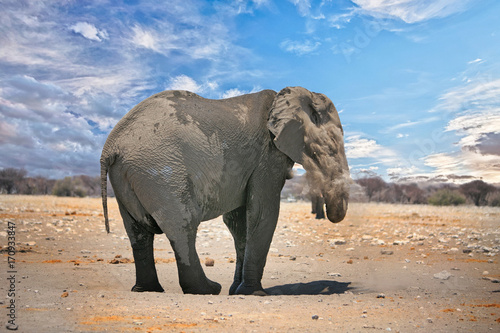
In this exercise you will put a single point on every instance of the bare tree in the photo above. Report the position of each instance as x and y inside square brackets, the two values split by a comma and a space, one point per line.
[373, 186]
[10, 179]
[477, 191]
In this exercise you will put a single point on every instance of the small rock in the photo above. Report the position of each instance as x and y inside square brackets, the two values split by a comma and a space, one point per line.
[334, 274]
[444, 275]
[486, 273]
[337, 241]
[429, 320]
[315, 317]
[65, 294]
[387, 252]
[380, 296]
[293, 258]
[466, 250]
[209, 262]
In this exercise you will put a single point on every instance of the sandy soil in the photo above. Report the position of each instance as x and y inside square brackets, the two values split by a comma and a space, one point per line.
[384, 268]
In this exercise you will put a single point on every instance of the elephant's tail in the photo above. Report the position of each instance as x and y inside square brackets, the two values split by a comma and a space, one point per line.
[104, 191]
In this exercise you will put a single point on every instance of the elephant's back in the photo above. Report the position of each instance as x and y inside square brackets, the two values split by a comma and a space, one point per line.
[173, 126]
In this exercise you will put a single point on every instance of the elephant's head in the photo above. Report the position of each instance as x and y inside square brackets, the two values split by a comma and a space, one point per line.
[307, 129]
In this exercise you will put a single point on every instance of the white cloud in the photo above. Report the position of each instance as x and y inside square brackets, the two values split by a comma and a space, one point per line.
[89, 31]
[184, 82]
[410, 11]
[473, 127]
[486, 167]
[144, 38]
[233, 93]
[303, 6]
[476, 61]
[482, 91]
[299, 48]
[473, 110]
[357, 147]
[412, 123]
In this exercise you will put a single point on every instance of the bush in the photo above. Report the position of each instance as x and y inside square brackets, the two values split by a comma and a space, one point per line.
[446, 197]
[69, 187]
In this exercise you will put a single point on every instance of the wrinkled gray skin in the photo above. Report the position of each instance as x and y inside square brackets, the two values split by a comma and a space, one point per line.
[177, 159]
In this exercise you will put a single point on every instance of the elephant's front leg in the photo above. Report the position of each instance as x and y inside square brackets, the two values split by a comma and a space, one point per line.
[237, 224]
[262, 217]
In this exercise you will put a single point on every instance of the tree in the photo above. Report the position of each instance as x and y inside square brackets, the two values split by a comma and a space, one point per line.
[10, 179]
[477, 191]
[412, 194]
[372, 185]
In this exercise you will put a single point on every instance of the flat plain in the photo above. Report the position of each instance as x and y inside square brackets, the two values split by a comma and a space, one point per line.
[397, 268]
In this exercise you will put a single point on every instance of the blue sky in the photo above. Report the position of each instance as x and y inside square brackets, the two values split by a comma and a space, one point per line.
[416, 82]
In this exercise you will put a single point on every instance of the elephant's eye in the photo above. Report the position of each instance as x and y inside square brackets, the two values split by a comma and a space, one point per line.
[315, 118]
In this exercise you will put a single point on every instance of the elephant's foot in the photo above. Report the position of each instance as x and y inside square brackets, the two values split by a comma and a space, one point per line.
[151, 288]
[250, 290]
[234, 287]
[208, 288]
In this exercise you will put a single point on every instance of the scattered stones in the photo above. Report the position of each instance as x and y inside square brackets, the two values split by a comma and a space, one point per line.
[444, 275]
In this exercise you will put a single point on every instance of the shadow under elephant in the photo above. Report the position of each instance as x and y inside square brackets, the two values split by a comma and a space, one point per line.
[322, 287]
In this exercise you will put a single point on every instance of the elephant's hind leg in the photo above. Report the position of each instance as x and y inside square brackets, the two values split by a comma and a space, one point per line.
[142, 247]
[192, 278]
[237, 224]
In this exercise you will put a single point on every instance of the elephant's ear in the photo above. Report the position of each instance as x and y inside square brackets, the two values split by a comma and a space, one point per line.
[285, 122]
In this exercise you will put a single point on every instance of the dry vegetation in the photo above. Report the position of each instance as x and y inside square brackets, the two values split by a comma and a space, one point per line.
[386, 267]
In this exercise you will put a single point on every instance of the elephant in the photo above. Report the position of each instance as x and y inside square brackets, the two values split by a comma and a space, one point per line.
[177, 159]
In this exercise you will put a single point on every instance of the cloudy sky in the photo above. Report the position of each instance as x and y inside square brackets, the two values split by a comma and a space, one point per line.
[416, 82]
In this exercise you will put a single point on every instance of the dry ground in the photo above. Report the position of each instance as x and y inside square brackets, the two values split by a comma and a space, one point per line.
[384, 268]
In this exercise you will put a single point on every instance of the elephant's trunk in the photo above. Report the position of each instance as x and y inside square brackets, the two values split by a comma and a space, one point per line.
[336, 209]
